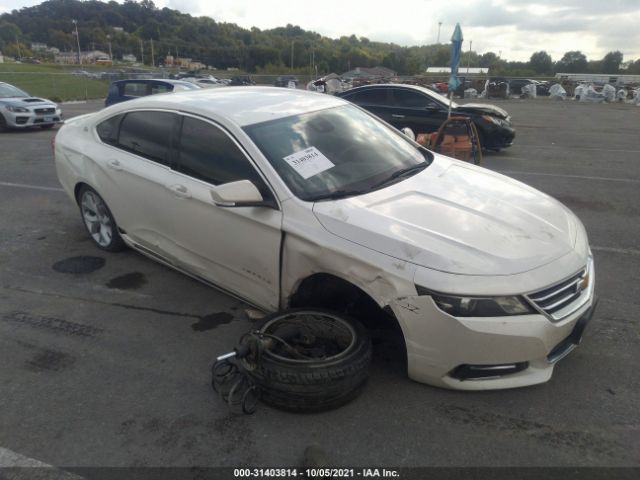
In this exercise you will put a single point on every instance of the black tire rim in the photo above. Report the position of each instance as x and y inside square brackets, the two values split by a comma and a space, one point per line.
[322, 337]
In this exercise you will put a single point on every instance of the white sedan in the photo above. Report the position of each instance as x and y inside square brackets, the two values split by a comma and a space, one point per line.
[291, 198]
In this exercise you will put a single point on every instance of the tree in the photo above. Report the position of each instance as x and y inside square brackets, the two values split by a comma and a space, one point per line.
[611, 62]
[633, 67]
[573, 62]
[540, 62]
[9, 32]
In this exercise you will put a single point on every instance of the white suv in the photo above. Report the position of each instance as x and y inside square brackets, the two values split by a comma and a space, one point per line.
[291, 198]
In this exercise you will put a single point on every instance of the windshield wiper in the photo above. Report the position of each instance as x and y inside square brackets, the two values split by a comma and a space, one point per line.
[401, 173]
[337, 194]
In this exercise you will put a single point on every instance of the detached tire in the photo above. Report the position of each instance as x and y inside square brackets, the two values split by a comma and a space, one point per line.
[335, 367]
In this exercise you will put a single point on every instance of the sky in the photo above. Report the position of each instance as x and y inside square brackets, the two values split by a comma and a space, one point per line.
[514, 29]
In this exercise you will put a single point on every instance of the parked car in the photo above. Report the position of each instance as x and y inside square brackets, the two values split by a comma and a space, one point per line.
[241, 80]
[423, 111]
[123, 90]
[18, 109]
[287, 198]
[286, 81]
[542, 88]
[205, 82]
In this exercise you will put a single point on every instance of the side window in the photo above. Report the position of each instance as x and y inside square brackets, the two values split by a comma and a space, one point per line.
[159, 88]
[108, 130]
[148, 134]
[209, 154]
[135, 89]
[375, 96]
[409, 99]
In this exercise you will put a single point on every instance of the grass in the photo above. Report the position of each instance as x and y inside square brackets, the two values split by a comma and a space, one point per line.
[54, 82]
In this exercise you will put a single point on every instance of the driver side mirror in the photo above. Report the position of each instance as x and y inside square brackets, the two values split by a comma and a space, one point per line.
[242, 193]
[409, 133]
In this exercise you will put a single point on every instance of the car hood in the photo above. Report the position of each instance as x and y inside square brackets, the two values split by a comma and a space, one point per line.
[483, 109]
[456, 218]
[26, 101]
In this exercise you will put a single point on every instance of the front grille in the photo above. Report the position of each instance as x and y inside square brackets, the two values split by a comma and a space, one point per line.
[564, 297]
[44, 111]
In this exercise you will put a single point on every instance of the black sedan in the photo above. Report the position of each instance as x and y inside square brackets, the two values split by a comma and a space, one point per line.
[423, 111]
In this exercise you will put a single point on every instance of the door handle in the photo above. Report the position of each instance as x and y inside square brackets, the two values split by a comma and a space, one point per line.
[114, 165]
[180, 191]
[397, 116]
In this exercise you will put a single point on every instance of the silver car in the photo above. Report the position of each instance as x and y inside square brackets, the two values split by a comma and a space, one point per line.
[18, 109]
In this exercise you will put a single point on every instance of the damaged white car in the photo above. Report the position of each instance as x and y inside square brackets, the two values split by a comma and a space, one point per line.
[291, 198]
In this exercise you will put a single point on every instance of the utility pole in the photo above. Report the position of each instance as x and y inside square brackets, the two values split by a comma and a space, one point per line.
[110, 54]
[469, 59]
[153, 62]
[439, 26]
[18, 45]
[141, 52]
[75, 22]
[292, 42]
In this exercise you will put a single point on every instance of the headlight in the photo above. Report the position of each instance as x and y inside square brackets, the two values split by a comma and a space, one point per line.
[494, 120]
[11, 108]
[478, 306]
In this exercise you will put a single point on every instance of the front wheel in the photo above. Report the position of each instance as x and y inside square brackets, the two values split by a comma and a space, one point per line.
[3, 124]
[99, 221]
[317, 360]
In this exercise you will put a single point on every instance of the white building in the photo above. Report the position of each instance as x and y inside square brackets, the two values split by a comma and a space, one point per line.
[461, 70]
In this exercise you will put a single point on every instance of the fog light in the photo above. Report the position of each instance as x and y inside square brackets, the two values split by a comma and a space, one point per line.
[484, 372]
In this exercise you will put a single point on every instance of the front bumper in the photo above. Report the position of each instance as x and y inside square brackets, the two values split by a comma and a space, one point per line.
[499, 137]
[440, 346]
[31, 118]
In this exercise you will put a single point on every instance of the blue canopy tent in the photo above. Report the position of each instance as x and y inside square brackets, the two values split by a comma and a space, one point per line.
[456, 51]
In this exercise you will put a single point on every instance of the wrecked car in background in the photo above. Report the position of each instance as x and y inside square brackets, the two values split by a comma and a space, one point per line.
[287, 198]
[423, 111]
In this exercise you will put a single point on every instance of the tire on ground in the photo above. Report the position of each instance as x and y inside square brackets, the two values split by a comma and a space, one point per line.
[116, 243]
[313, 386]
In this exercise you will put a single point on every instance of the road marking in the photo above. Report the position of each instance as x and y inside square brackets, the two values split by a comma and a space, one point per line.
[32, 187]
[582, 177]
[623, 251]
[11, 459]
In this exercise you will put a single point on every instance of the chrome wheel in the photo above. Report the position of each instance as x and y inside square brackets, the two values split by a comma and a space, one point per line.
[97, 218]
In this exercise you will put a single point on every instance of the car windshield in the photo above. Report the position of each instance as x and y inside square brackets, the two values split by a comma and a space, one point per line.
[8, 91]
[337, 152]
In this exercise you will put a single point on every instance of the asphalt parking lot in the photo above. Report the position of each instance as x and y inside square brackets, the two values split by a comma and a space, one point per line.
[111, 367]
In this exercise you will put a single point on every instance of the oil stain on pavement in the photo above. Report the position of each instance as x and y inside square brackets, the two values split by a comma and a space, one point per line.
[129, 281]
[79, 265]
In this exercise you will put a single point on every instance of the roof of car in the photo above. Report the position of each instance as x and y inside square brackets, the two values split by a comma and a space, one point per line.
[242, 105]
[419, 88]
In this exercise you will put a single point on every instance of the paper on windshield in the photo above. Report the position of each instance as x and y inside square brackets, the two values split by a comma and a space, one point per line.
[308, 162]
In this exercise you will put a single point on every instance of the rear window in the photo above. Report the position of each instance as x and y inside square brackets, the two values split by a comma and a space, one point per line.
[108, 130]
[160, 88]
[376, 96]
[135, 89]
[148, 134]
[409, 99]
